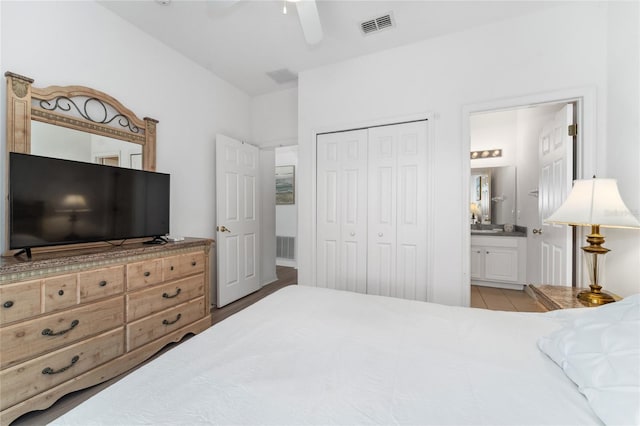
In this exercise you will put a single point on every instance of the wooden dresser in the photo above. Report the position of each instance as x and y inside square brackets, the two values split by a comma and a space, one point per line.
[75, 318]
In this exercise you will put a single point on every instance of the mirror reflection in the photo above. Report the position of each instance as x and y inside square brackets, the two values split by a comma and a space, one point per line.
[493, 195]
[60, 142]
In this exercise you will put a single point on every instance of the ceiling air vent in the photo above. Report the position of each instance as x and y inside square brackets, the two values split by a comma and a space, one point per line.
[282, 76]
[377, 24]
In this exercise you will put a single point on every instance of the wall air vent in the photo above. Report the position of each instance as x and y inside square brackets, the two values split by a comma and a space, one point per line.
[377, 24]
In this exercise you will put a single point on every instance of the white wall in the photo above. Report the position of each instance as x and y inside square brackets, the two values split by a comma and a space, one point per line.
[623, 142]
[267, 216]
[274, 118]
[83, 43]
[274, 124]
[512, 58]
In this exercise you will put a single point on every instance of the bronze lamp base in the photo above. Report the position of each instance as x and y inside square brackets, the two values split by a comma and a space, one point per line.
[595, 297]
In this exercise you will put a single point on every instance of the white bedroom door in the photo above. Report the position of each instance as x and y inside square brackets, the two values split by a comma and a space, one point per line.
[342, 211]
[397, 218]
[556, 177]
[237, 213]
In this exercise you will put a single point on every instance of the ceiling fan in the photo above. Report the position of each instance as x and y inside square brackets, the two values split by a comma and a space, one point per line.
[307, 14]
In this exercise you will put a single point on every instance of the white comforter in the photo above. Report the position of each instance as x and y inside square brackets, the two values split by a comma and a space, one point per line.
[316, 356]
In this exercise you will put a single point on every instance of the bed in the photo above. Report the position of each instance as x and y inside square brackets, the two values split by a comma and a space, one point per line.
[307, 355]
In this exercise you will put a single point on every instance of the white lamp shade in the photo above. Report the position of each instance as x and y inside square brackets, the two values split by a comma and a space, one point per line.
[594, 202]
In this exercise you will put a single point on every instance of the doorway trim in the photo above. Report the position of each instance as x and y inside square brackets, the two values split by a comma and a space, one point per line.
[585, 155]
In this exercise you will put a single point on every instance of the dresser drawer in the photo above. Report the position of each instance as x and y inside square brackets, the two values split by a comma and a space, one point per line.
[155, 299]
[19, 301]
[32, 377]
[155, 326]
[34, 337]
[101, 283]
[143, 274]
[60, 292]
[182, 265]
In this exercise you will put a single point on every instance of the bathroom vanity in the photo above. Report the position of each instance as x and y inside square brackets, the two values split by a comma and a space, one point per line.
[499, 258]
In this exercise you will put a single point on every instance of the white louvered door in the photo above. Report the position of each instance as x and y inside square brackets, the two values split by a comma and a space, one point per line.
[342, 210]
[391, 233]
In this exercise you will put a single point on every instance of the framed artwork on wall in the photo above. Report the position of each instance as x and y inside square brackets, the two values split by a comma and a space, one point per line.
[285, 185]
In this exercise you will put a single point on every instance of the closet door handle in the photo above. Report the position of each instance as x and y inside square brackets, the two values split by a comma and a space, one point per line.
[380, 234]
[353, 234]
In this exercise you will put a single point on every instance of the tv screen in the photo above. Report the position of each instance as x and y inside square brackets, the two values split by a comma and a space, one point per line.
[53, 202]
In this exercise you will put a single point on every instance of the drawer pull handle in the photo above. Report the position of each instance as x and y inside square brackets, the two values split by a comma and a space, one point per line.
[49, 332]
[167, 322]
[50, 370]
[147, 273]
[102, 283]
[193, 263]
[60, 292]
[169, 296]
[171, 268]
[8, 304]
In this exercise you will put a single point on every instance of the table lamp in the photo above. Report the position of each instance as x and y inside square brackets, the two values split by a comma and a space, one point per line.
[595, 202]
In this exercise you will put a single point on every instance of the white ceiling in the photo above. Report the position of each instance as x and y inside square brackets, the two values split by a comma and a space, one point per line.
[240, 41]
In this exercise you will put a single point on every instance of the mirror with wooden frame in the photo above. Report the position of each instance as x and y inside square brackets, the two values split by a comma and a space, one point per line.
[76, 123]
[30, 110]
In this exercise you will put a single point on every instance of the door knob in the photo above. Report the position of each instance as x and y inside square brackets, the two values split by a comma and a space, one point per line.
[223, 229]
[353, 234]
[537, 231]
[380, 234]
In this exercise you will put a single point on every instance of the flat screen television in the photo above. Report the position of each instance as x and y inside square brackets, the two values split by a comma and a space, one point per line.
[54, 202]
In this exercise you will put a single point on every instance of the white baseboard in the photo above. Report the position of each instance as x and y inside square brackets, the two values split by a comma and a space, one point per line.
[286, 262]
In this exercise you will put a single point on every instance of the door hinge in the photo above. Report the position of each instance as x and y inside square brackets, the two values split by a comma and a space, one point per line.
[573, 130]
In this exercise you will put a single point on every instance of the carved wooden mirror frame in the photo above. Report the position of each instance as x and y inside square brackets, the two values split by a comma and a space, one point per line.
[66, 106]
[70, 106]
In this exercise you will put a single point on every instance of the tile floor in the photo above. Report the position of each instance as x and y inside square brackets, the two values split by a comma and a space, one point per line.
[498, 299]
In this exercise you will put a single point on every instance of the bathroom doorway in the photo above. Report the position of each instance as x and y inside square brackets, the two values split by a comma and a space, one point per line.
[517, 128]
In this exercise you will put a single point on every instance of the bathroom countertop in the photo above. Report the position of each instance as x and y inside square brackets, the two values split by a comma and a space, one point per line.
[498, 231]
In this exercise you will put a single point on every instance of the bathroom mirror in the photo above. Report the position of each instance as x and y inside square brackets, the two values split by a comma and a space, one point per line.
[77, 123]
[60, 142]
[493, 195]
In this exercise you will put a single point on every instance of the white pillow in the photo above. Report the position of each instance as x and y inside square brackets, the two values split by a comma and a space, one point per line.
[600, 352]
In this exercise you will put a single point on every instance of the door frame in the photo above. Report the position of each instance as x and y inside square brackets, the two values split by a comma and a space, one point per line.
[585, 154]
[310, 278]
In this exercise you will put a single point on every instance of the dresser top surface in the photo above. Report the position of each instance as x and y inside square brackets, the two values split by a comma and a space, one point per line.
[78, 256]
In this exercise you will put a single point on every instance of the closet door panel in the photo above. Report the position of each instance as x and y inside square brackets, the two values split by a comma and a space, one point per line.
[353, 189]
[381, 270]
[411, 226]
[342, 210]
[328, 226]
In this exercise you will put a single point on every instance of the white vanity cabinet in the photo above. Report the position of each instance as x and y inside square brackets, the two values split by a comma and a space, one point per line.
[498, 261]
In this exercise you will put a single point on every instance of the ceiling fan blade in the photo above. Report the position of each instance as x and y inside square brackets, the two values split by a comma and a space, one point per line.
[309, 21]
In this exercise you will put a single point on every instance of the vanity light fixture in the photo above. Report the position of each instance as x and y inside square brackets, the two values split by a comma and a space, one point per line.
[487, 153]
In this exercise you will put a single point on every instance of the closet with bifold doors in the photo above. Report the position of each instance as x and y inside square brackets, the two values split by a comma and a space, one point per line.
[371, 210]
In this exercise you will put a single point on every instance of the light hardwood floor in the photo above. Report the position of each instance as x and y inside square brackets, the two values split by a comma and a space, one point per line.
[481, 297]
